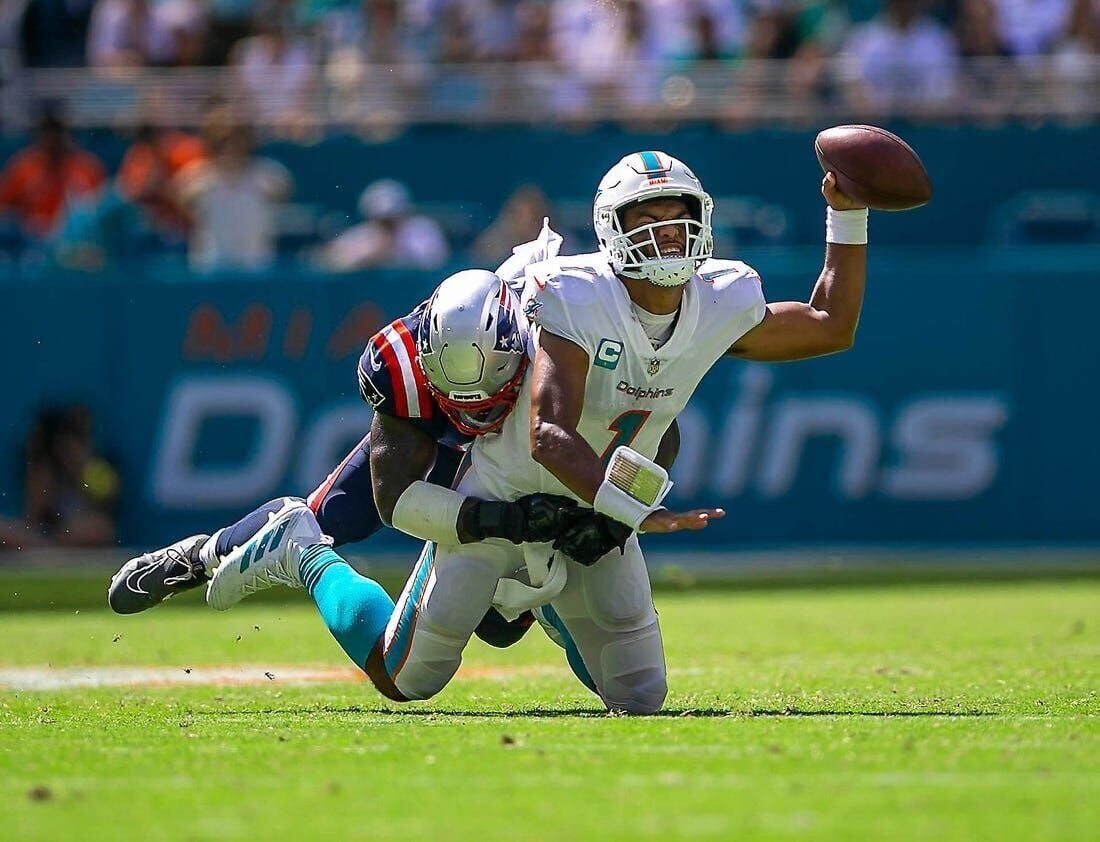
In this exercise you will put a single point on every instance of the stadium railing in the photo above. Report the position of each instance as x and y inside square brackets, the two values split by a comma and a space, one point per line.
[736, 92]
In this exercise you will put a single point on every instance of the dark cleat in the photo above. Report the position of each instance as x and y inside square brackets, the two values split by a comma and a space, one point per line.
[150, 579]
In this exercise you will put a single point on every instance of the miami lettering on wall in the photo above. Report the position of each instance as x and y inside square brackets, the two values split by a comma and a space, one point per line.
[212, 399]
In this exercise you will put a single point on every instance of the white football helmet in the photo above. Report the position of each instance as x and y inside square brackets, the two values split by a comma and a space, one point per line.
[473, 349]
[652, 175]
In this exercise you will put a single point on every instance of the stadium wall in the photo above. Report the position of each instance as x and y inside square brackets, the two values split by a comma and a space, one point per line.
[965, 413]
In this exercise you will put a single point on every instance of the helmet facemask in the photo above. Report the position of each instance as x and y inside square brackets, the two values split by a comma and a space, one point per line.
[642, 259]
[475, 413]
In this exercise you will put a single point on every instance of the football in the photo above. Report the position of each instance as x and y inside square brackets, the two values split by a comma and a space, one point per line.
[874, 167]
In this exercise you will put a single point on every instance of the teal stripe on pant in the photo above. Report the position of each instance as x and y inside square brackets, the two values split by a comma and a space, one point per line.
[402, 638]
[355, 609]
[572, 654]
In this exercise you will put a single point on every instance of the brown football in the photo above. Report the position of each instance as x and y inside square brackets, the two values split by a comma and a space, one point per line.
[874, 167]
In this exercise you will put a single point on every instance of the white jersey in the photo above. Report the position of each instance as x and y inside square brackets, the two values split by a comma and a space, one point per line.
[633, 393]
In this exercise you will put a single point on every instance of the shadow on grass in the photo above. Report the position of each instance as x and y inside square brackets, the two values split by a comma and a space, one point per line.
[887, 713]
[592, 713]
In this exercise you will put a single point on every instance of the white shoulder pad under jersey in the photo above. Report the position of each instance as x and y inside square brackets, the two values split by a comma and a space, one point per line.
[732, 297]
[571, 296]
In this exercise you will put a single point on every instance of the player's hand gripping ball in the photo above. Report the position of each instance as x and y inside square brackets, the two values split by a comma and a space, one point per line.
[872, 168]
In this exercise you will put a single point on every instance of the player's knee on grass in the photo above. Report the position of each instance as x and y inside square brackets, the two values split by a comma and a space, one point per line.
[640, 692]
[431, 665]
[632, 673]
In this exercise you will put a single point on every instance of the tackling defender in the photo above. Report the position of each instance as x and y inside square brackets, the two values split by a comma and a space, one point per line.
[424, 422]
[623, 338]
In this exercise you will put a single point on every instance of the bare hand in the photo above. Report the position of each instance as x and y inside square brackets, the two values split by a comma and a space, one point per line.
[663, 520]
[837, 200]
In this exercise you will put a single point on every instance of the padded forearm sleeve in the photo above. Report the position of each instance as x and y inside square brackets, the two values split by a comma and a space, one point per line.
[429, 512]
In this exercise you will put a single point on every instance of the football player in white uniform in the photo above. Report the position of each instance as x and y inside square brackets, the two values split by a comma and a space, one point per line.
[622, 339]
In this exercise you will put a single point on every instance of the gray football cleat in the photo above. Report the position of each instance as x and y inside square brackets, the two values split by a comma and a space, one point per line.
[270, 557]
[151, 578]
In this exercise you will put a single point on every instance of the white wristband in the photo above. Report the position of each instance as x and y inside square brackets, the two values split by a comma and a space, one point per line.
[429, 512]
[847, 228]
[633, 487]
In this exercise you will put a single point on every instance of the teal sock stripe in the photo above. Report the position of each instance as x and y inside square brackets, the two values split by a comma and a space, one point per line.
[572, 653]
[315, 560]
[402, 638]
[355, 609]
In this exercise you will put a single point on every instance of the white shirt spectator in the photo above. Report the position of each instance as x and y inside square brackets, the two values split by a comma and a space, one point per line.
[392, 236]
[912, 65]
[234, 213]
[276, 74]
[591, 39]
[137, 32]
[672, 23]
[1030, 27]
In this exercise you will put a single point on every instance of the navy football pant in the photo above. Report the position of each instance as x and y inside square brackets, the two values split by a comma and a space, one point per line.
[343, 503]
[345, 509]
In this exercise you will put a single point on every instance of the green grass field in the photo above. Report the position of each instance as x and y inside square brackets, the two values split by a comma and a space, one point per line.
[946, 712]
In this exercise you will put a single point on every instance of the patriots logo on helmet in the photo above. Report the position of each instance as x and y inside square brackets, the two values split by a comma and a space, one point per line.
[509, 338]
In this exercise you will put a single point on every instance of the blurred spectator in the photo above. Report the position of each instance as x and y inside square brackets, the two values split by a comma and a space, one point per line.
[519, 221]
[230, 21]
[1075, 57]
[789, 29]
[455, 28]
[134, 33]
[54, 33]
[392, 235]
[540, 74]
[1030, 27]
[153, 160]
[70, 490]
[593, 39]
[697, 30]
[233, 197]
[805, 33]
[274, 71]
[40, 181]
[495, 29]
[977, 30]
[901, 58]
[97, 235]
[375, 32]
[1082, 35]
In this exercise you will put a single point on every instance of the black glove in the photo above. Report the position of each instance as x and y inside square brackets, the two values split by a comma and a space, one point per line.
[532, 519]
[592, 537]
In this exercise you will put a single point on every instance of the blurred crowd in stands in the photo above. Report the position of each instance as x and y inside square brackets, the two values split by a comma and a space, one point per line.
[202, 191]
[291, 36]
[279, 50]
[208, 193]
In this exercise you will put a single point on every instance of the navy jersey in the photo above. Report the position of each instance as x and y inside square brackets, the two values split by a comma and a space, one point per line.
[391, 381]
